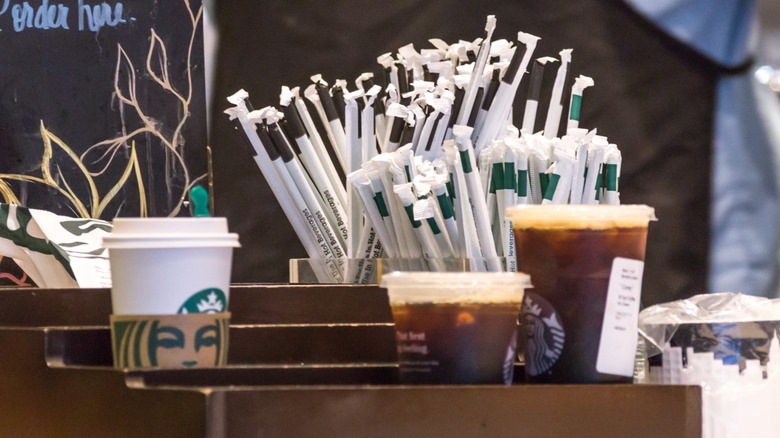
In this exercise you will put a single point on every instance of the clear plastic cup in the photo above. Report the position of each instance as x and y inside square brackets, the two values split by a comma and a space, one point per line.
[586, 263]
[455, 328]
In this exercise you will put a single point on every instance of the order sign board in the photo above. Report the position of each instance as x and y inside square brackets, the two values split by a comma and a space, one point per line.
[102, 105]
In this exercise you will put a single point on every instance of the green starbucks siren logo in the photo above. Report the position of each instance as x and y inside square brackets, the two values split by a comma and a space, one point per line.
[210, 300]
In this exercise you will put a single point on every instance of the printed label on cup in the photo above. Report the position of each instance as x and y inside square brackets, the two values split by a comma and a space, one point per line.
[414, 347]
[617, 347]
[210, 300]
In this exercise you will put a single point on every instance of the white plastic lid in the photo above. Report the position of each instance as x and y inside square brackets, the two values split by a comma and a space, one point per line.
[169, 225]
[580, 216]
[178, 232]
[176, 241]
[456, 287]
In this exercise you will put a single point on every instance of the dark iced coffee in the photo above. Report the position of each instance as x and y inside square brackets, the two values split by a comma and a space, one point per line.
[456, 343]
[455, 328]
[586, 265]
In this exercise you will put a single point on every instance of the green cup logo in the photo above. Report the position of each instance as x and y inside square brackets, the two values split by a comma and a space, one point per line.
[196, 340]
[211, 300]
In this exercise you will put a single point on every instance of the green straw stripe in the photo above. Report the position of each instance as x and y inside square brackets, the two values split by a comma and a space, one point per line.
[497, 177]
[380, 203]
[451, 187]
[137, 344]
[465, 162]
[522, 183]
[434, 227]
[509, 172]
[544, 180]
[598, 186]
[127, 338]
[576, 104]
[410, 212]
[611, 177]
[408, 173]
[446, 206]
[553, 184]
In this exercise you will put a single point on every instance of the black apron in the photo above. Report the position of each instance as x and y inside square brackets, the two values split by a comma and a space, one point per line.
[653, 97]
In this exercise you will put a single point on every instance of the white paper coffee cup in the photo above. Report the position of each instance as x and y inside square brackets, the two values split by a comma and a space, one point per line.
[165, 266]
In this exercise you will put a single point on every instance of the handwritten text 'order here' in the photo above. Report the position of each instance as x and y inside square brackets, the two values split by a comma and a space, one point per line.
[81, 15]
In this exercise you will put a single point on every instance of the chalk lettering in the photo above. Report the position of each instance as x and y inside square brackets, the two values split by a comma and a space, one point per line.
[22, 16]
[27, 17]
[45, 16]
[97, 16]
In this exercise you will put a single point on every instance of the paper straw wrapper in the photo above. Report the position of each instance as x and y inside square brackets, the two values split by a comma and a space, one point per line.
[555, 109]
[612, 163]
[432, 156]
[560, 178]
[590, 192]
[575, 104]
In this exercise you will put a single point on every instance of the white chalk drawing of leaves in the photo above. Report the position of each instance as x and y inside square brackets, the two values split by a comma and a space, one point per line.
[158, 51]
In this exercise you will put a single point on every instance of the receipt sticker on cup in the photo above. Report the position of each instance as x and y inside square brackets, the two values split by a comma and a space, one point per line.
[617, 346]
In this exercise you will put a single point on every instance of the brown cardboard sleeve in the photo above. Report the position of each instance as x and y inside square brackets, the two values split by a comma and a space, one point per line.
[194, 340]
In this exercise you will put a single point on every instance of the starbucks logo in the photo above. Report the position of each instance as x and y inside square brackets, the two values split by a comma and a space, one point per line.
[509, 360]
[210, 300]
[545, 334]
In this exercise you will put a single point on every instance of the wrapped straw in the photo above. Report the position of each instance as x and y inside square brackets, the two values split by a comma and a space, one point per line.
[433, 157]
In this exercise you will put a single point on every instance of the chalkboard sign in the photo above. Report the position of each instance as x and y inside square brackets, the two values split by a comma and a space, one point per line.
[102, 105]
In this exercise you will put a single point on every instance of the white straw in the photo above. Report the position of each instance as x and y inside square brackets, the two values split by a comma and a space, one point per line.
[316, 170]
[502, 102]
[554, 111]
[469, 241]
[335, 135]
[353, 161]
[479, 67]
[319, 146]
[297, 185]
[305, 227]
[422, 231]
[476, 197]
[575, 103]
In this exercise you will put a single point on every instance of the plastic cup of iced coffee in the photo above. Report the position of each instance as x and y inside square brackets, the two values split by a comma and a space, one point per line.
[586, 263]
[455, 328]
